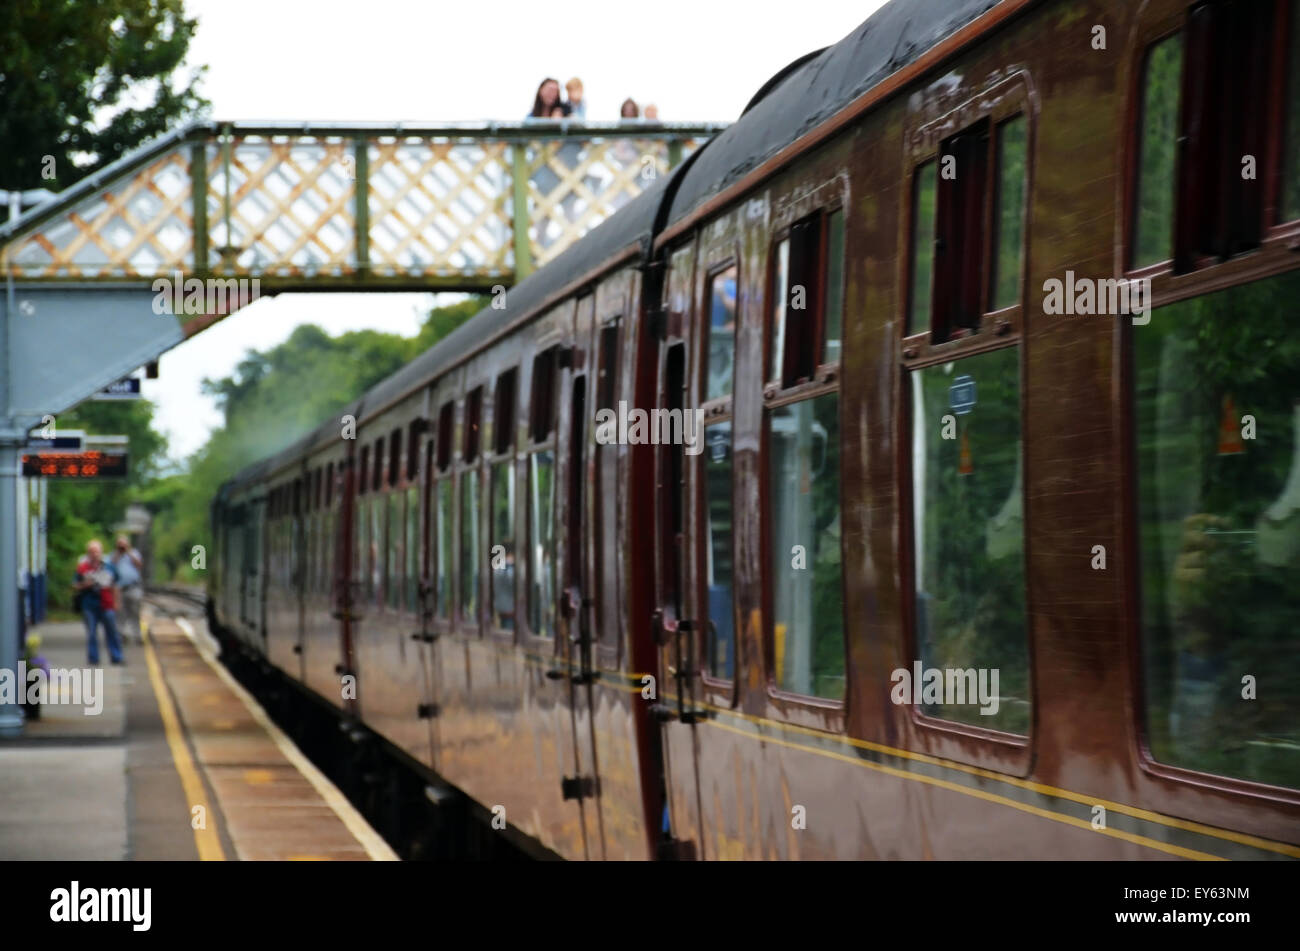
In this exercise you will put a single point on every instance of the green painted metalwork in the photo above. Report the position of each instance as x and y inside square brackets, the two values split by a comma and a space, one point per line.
[361, 199]
[519, 211]
[199, 204]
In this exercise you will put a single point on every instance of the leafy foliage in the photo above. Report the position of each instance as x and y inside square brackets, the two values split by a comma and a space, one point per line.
[85, 81]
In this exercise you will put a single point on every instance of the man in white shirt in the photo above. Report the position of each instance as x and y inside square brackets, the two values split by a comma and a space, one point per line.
[128, 564]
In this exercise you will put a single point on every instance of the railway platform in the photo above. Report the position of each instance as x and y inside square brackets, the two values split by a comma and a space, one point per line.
[175, 761]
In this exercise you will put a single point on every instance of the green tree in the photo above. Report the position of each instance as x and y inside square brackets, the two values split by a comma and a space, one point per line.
[84, 81]
[273, 398]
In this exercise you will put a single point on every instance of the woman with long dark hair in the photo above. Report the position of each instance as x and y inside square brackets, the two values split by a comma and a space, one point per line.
[547, 98]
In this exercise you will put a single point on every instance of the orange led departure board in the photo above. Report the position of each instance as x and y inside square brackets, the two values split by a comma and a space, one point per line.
[91, 464]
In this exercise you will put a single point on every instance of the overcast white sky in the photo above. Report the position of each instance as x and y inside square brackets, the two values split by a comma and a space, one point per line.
[408, 61]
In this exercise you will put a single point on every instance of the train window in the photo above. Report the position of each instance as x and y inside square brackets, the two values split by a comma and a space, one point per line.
[959, 229]
[503, 422]
[502, 554]
[377, 465]
[329, 485]
[413, 432]
[1153, 238]
[362, 553]
[395, 562]
[541, 543]
[394, 455]
[923, 202]
[446, 423]
[378, 549]
[720, 642]
[412, 548]
[1009, 213]
[1210, 99]
[605, 509]
[542, 404]
[834, 319]
[1216, 390]
[803, 518]
[807, 299]
[442, 548]
[473, 420]
[363, 483]
[469, 552]
[1290, 199]
[720, 354]
[969, 535]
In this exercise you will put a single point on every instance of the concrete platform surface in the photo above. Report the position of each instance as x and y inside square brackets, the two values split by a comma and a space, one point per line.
[176, 761]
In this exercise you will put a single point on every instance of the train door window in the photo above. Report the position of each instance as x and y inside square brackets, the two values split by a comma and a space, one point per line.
[716, 592]
[394, 456]
[361, 540]
[501, 555]
[377, 467]
[329, 485]
[801, 527]
[470, 511]
[1216, 409]
[540, 496]
[968, 538]
[720, 352]
[441, 550]
[1216, 137]
[605, 509]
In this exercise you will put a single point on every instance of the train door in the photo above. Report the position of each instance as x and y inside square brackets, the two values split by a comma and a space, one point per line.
[673, 628]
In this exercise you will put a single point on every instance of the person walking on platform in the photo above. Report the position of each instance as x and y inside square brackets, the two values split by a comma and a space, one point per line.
[94, 583]
[128, 564]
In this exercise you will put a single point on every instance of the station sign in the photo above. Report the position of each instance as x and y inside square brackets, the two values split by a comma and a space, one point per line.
[89, 464]
[124, 389]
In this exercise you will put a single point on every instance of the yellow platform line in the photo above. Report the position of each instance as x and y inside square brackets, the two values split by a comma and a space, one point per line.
[206, 839]
[369, 839]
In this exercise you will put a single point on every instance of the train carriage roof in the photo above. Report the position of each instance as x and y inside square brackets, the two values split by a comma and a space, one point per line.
[816, 88]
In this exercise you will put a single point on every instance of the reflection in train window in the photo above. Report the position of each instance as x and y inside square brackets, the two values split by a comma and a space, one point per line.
[1291, 105]
[969, 536]
[923, 200]
[721, 352]
[721, 639]
[442, 548]
[361, 554]
[1153, 224]
[412, 549]
[1009, 213]
[501, 557]
[469, 553]
[780, 297]
[378, 547]
[396, 561]
[1217, 401]
[834, 319]
[541, 543]
[804, 555]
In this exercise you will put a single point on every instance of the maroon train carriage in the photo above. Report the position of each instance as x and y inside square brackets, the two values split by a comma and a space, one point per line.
[988, 542]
